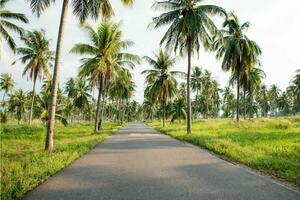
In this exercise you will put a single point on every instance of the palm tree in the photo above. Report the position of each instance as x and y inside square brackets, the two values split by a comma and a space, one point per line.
[228, 102]
[263, 100]
[17, 103]
[161, 83]
[197, 80]
[6, 84]
[122, 90]
[274, 93]
[284, 104]
[105, 48]
[38, 57]
[250, 81]
[294, 89]
[43, 103]
[178, 110]
[81, 95]
[238, 52]
[83, 10]
[6, 24]
[190, 25]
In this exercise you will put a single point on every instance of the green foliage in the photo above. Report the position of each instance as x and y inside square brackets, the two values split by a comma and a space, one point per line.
[271, 145]
[7, 19]
[25, 164]
[3, 117]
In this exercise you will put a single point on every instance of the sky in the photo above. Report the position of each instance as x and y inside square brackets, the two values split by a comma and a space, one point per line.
[275, 26]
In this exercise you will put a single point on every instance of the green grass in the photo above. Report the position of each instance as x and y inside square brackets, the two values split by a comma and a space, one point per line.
[25, 164]
[271, 146]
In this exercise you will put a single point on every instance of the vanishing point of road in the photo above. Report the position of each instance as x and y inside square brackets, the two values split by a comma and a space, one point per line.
[140, 163]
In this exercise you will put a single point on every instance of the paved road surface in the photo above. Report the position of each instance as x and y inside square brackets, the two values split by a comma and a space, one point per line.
[139, 163]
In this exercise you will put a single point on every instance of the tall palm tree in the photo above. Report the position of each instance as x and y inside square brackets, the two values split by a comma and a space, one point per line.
[106, 57]
[190, 26]
[160, 81]
[38, 58]
[178, 110]
[197, 80]
[83, 10]
[7, 19]
[274, 93]
[250, 81]
[294, 89]
[237, 51]
[17, 103]
[122, 90]
[228, 102]
[6, 84]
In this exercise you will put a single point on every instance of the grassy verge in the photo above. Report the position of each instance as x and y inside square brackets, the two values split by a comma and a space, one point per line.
[25, 164]
[269, 145]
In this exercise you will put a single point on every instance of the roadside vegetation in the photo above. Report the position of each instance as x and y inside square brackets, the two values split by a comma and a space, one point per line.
[270, 145]
[25, 164]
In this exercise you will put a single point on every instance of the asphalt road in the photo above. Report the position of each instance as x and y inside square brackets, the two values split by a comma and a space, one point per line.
[139, 163]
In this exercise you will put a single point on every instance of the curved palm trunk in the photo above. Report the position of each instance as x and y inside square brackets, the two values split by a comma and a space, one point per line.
[56, 75]
[189, 110]
[98, 104]
[164, 113]
[238, 97]
[32, 103]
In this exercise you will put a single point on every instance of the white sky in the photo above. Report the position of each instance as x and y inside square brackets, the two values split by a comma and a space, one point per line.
[275, 27]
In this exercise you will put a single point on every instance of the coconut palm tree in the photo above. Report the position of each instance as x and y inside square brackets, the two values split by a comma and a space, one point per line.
[38, 58]
[237, 51]
[81, 95]
[17, 103]
[250, 81]
[228, 102]
[105, 49]
[83, 10]
[294, 90]
[160, 80]
[178, 110]
[263, 100]
[284, 104]
[43, 103]
[7, 19]
[197, 80]
[121, 90]
[274, 93]
[190, 26]
[6, 84]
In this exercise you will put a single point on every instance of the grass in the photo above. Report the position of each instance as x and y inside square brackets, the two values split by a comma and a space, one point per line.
[270, 145]
[25, 164]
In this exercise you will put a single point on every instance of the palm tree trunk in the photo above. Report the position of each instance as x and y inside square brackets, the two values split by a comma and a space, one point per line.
[164, 113]
[56, 76]
[98, 104]
[102, 104]
[32, 102]
[238, 97]
[189, 109]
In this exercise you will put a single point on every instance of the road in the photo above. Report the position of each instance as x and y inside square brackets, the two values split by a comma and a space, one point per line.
[139, 163]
